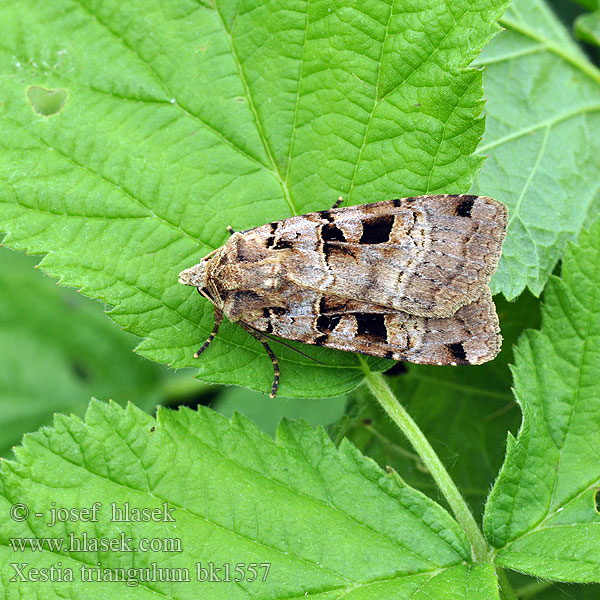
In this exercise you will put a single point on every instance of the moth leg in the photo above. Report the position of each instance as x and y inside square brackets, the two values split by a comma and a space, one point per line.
[230, 229]
[261, 338]
[213, 333]
[338, 202]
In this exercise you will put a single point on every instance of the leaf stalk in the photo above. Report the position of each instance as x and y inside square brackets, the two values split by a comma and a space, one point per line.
[379, 388]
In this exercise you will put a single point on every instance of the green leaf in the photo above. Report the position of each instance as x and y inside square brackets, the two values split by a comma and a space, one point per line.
[267, 412]
[589, 4]
[237, 497]
[587, 27]
[554, 591]
[58, 350]
[543, 107]
[464, 412]
[529, 588]
[543, 514]
[184, 117]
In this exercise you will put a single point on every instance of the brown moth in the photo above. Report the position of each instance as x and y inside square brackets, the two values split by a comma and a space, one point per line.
[403, 279]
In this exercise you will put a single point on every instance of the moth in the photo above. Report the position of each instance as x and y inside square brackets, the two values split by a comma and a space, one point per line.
[403, 279]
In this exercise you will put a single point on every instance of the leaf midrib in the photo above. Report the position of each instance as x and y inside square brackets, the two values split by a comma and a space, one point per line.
[582, 65]
[548, 123]
[171, 98]
[273, 167]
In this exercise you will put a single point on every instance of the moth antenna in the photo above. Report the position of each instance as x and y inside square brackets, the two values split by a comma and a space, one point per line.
[337, 202]
[274, 339]
[230, 229]
[204, 293]
[213, 333]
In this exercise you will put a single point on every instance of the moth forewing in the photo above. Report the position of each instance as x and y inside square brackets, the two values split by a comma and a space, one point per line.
[427, 255]
[404, 279]
[470, 336]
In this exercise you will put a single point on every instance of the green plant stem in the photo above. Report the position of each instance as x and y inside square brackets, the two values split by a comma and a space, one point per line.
[506, 591]
[533, 589]
[398, 414]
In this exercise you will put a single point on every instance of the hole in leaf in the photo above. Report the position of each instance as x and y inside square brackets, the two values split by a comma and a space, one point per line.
[46, 102]
[597, 501]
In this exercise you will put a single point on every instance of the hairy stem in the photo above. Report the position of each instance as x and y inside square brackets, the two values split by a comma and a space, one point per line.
[506, 591]
[533, 589]
[398, 414]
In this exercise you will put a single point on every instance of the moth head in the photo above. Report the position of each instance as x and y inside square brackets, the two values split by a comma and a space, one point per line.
[201, 276]
[195, 276]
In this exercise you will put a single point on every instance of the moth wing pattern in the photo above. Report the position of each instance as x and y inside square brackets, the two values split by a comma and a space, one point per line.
[427, 256]
[470, 336]
[402, 279]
